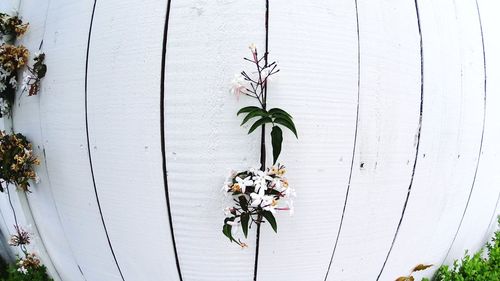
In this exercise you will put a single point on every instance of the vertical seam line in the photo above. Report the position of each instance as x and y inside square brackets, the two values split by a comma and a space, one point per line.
[482, 137]
[162, 137]
[88, 141]
[354, 145]
[263, 160]
[418, 141]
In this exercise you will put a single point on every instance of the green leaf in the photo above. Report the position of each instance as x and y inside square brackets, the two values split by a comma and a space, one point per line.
[226, 229]
[244, 223]
[270, 218]
[279, 111]
[247, 109]
[282, 116]
[276, 140]
[243, 202]
[41, 71]
[287, 124]
[258, 123]
[252, 114]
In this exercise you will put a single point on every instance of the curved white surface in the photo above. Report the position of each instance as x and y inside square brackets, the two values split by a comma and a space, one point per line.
[387, 138]
[365, 196]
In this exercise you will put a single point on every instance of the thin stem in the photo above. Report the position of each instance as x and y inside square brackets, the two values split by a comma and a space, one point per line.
[11, 205]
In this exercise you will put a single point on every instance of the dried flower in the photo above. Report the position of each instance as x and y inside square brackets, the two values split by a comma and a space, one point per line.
[17, 160]
[31, 80]
[12, 25]
[30, 261]
[21, 238]
[13, 57]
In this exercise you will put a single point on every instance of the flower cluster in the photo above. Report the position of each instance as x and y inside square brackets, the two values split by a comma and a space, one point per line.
[31, 81]
[12, 58]
[21, 238]
[17, 161]
[257, 195]
[254, 86]
[12, 25]
[29, 262]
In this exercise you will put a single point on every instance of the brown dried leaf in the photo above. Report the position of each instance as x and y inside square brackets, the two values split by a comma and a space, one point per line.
[421, 267]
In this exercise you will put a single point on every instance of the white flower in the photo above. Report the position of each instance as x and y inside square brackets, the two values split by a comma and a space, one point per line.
[228, 182]
[253, 47]
[4, 73]
[260, 179]
[4, 107]
[226, 187]
[26, 79]
[22, 269]
[238, 85]
[256, 198]
[269, 203]
[266, 202]
[13, 82]
[277, 184]
[244, 183]
[2, 87]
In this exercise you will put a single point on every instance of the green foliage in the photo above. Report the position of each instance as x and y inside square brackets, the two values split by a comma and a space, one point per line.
[3, 269]
[475, 267]
[33, 274]
[274, 116]
[270, 218]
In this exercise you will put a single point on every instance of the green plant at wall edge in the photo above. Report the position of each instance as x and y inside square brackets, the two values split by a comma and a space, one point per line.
[33, 274]
[478, 267]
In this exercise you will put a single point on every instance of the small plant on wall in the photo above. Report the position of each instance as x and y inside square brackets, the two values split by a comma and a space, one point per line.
[12, 59]
[11, 27]
[17, 167]
[17, 160]
[32, 79]
[258, 193]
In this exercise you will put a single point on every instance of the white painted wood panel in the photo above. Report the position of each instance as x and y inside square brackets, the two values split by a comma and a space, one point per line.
[26, 119]
[487, 185]
[62, 114]
[207, 41]
[316, 46]
[389, 118]
[451, 135]
[124, 129]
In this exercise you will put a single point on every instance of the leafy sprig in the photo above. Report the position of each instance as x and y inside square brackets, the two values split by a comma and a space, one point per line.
[257, 88]
[257, 193]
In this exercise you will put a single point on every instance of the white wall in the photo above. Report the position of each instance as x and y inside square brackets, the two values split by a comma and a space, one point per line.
[397, 149]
